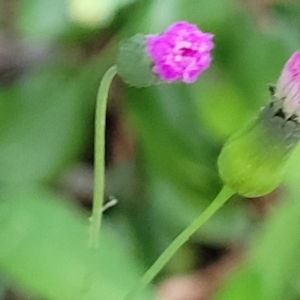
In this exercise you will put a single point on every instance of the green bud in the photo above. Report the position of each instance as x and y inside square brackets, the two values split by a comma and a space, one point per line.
[134, 65]
[252, 162]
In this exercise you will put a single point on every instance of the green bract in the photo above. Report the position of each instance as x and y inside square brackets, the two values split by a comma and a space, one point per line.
[252, 161]
[133, 64]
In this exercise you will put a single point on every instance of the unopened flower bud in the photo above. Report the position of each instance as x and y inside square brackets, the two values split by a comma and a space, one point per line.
[181, 53]
[252, 162]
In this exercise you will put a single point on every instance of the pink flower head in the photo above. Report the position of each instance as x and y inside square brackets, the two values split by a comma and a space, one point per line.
[288, 86]
[181, 53]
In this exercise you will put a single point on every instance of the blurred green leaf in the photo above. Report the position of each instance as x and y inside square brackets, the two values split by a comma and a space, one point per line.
[287, 24]
[44, 250]
[246, 284]
[209, 15]
[221, 107]
[42, 19]
[174, 213]
[43, 122]
[273, 268]
[247, 56]
[164, 120]
[3, 288]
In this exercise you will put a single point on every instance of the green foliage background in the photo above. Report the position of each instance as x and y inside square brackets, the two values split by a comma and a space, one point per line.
[46, 117]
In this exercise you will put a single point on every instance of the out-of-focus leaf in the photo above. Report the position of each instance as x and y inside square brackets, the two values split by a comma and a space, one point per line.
[275, 259]
[221, 108]
[174, 213]
[3, 288]
[44, 250]
[248, 58]
[43, 126]
[246, 284]
[273, 268]
[44, 118]
[165, 122]
[42, 19]
[292, 176]
[209, 15]
[286, 23]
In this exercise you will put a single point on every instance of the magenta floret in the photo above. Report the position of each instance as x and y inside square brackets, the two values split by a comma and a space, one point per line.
[181, 53]
[288, 86]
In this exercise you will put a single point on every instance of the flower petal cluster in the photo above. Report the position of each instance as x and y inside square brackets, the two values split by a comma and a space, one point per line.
[288, 86]
[181, 53]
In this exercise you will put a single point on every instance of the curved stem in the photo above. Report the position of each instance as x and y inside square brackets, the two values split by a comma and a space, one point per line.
[217, 203]
[99, 156]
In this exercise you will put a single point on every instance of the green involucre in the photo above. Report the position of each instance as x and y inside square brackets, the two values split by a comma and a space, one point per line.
[252, 161]
[133, 64]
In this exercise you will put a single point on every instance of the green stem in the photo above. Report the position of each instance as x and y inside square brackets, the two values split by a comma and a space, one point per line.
[221, 198]
[99, 156]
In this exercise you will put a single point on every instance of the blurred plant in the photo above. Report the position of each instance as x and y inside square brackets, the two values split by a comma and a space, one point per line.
[52, 57]
[181, 53]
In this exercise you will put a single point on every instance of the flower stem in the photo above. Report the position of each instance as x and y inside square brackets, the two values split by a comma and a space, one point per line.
[224, 195]
[99, 156]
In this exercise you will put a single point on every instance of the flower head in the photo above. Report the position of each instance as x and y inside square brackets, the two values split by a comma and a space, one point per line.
[288, 86]
[181, 53]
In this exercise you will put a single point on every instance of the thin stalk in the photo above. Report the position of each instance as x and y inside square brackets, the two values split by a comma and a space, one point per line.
[99, 156]
[224, 195]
